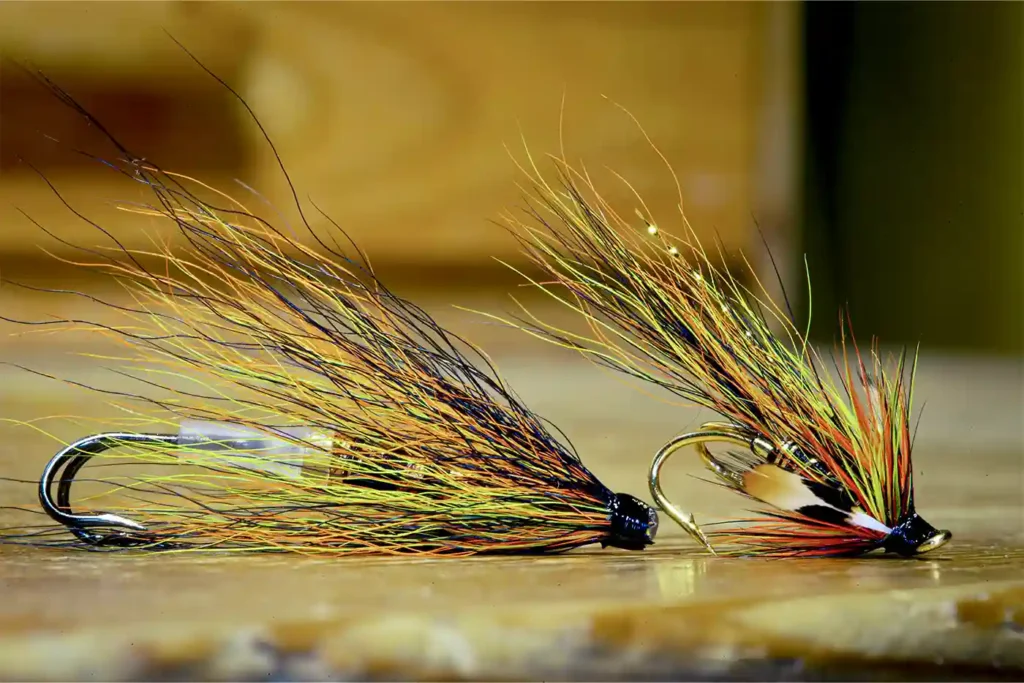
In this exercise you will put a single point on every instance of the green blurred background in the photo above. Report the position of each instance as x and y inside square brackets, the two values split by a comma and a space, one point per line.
[913, 176]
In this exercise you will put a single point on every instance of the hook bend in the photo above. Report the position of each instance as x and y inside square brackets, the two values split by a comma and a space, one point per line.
[62, 469]
[708, 433]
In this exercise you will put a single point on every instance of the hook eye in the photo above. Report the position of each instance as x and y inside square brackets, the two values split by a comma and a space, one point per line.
[709, 432]
[71, 459]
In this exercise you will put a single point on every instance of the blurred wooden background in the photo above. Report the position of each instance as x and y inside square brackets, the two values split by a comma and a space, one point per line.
[392, 117]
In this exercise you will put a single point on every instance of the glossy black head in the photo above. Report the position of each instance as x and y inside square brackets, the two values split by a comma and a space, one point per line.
[914, 536]
[634, 523]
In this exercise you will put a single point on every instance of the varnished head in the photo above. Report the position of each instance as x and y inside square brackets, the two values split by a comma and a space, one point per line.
[634, 523]
[915, 536]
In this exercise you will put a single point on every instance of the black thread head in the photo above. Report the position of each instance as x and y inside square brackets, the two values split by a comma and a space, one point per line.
[914, 536]
[634, 523]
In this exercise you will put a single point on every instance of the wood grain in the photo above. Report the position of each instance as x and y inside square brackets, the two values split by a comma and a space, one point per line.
[667, 613]
[391, 116]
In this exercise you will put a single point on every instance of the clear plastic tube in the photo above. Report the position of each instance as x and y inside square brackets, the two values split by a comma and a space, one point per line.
[246, 447]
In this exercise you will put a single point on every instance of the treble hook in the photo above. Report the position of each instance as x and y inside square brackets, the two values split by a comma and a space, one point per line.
[709, 432]
[72, 459]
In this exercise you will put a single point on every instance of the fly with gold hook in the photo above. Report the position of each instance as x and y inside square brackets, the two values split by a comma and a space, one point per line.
[832, 461]
[289, 401]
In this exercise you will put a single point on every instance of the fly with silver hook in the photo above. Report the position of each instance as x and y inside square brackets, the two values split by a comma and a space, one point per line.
[832, 462]
[301, 406]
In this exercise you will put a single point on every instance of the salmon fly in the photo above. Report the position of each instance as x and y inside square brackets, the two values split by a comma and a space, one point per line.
[830, 461]
[299, 405]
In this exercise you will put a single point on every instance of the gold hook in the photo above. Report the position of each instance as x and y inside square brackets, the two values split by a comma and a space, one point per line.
[709, 432]
[907, 536]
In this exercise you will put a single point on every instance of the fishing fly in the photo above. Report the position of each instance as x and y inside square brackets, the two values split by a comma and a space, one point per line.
[832, 461]
[292, 402]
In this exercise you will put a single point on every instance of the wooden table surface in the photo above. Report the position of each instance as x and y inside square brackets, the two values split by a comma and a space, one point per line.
[670, 611]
